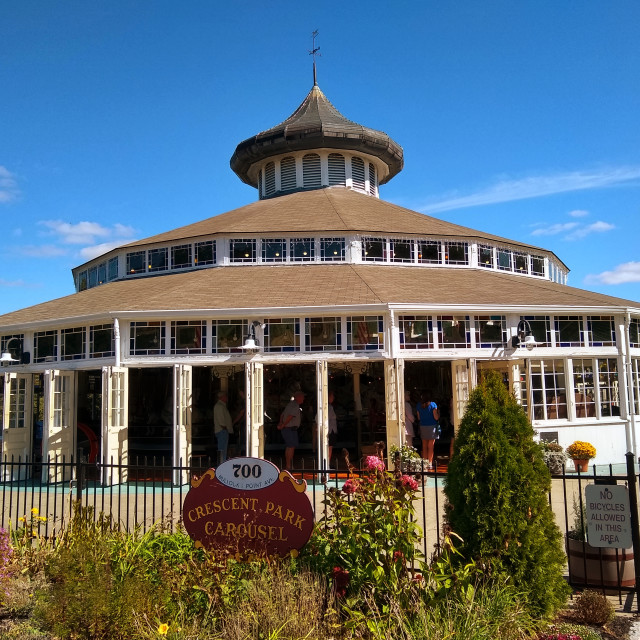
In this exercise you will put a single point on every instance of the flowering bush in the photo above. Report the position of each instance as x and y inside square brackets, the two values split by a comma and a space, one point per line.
[580, 450]
[373, 463]
[368, 537]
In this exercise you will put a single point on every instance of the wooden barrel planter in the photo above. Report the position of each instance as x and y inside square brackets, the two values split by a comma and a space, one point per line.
[582, 554]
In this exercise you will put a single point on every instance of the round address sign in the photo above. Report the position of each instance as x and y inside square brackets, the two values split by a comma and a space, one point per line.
[247, 474]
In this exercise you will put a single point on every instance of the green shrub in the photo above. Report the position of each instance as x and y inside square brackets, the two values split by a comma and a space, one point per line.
[497, 486]
[592, 607]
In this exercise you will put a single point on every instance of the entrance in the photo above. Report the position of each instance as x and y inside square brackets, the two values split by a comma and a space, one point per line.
[89, 415]
[435, 380]
[150, 415]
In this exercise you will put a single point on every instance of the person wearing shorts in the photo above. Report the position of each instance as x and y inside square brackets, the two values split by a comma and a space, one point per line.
[291, 422]
[428, 415]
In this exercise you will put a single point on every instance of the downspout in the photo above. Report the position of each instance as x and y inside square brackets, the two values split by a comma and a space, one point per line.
[631, 437]
[116, 339]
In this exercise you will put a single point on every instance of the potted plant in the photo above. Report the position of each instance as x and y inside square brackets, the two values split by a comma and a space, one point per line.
[554, 456]
[407, 459]
[581, 452]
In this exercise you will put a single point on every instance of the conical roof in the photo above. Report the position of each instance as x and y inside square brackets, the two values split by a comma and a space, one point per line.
[316, 124]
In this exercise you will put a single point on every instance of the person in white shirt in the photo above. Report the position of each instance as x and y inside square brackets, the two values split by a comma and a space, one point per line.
[409, 420]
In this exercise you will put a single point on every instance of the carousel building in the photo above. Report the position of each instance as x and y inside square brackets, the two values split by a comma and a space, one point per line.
[318, 286]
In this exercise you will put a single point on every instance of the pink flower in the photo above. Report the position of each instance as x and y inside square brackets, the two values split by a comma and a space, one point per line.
[409, 483]
[350, 487]
[340, 581]
[373, 463]
[398, 556]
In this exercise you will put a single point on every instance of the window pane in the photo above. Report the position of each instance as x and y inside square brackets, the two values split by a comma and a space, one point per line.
[568, 329]
[373, 249]
[113, 269]
[73, 343]
[274, 250]
[603, 331]
[541, 329]
[504, 259]
[365, 332]
[485, 257]
[230, 335]
[282, 334]
[136, 262]
[323, 334]
[608, 382]
[205, 253]
[101, 343]
[188, 336]
[521, 262]
[147, 338]
[583, 387]
[332, 249]
[45, 346]
[416, 332]
[453, 331]
[181, 256]
[401, 251]
[302, 249]
[158, 259]
[456, 253]
[242, 250]
[537, 265]
[429, 252]
[490, 331]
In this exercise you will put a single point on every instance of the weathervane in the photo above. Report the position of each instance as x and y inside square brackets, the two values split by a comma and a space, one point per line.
[314, 52]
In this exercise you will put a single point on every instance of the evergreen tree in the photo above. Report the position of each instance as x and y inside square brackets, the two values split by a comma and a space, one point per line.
[497, 486]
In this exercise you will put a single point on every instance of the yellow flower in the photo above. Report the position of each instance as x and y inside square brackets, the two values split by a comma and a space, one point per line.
[162, 629]
[42, 518]
[22, 519]
[35, 511]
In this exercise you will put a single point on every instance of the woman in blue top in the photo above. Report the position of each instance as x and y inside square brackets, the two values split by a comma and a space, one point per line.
[429, 415]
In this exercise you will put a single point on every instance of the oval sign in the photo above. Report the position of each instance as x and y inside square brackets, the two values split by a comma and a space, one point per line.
[247, 474]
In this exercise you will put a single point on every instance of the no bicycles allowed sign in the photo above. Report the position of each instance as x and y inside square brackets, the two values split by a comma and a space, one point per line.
[608, 516]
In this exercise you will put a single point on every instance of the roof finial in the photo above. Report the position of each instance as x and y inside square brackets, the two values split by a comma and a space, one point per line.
[314, 52]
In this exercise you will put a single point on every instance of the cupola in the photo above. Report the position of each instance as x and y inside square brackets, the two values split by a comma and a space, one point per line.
[317, 147]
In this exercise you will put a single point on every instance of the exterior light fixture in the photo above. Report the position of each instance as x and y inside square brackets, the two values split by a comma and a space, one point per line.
[251, 342]
[524, 335]
[6, 357]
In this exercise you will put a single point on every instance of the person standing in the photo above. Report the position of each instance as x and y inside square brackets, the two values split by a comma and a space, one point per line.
[429, 415]
[409, 420]
[290, 422]
[222, 425]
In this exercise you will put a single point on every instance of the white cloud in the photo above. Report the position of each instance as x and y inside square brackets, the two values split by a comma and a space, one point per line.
[508, 190]
[554, 229]
[8, 186]
[622, 274]
[85, 232]
[42, 251]
[93, 251]
[596, 227]
[12, 283]
[578, 213]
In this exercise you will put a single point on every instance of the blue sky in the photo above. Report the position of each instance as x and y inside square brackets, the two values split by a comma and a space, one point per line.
[118, 119]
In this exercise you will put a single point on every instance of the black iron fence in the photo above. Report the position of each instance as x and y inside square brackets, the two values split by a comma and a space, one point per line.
[149, 492]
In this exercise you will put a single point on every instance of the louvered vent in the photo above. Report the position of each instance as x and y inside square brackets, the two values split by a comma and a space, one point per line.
[260, 187]
[270, 179]
[357, 173]
[373, 185]
[311, 176]
[288, 173]
[337, 173]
